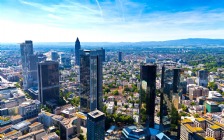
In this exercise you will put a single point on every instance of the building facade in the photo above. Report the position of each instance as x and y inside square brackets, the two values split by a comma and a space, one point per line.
[48, 81]
[203, 78]
[77, 48]
[29, 64]
[119, 56]
[148, 87]
[95, 125]
[90, 80]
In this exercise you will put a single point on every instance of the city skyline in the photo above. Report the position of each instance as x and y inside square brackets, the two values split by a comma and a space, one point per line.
[64, 20]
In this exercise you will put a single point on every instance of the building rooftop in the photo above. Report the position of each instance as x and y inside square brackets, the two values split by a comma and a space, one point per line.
[50, 136]
[200, 119]
[35, 124]
[186, 121]
[20, 125]
[11, 133]
[96, 113]
[214, 127]
[31, 133]
[16, 117]
[209, 138]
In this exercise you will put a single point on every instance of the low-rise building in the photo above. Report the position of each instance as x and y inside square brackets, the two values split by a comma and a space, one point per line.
[29, 109]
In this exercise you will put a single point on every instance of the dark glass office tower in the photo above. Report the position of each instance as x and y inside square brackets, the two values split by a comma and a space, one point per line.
[77, 48]
[148, 87]
[95, 125]
[176, 79]
[48, 81]
[29, 62]
[119, 56]
[162, 76]
[103, 55]
[90, 80]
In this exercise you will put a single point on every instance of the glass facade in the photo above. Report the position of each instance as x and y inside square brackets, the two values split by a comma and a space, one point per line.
[90, 80]
[148, 82]
[48, 81]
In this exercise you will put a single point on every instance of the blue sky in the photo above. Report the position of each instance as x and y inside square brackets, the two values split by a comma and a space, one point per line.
[110, 20]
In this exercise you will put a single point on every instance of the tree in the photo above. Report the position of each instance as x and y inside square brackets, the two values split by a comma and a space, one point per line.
[57, 132]
[212, 86]
[81, 137]
[158, 114]
[116, 92]
[184, 108]
[196, 116]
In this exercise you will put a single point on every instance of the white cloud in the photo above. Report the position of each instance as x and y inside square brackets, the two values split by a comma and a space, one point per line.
[64, 21]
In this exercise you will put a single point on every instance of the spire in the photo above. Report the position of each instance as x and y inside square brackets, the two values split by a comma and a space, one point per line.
[77, 40]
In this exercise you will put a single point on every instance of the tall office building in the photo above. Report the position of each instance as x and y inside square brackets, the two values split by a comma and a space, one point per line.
[203, 78]
[119, 56]
[103, 55]
[162, 76]
[54, 56]
[176, 79]
[77, 48]
[90, 80]
[29, 64]
[148, 87]
[95, 125]
[48, 81]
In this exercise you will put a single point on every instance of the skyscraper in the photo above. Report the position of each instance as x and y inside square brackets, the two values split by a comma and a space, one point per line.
[77, 48]
[119, 56]
[203, 78]
[48, 81]
[162, 76]
[95, 125]
[103, 54]
[54, 56]
[176, 79]
[148, 87]
[29, 64]
[90, 80]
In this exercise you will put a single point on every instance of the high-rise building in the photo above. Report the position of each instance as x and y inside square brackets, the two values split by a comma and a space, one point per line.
[48, 81]
[29, 64]
[203, 78]
[119, 56]
[95, 125]
[148, 87]
[90, 80]
[65, 60]
[77, 48]
[176, 79]
[162, 76]
[54, 56]
[103, 54]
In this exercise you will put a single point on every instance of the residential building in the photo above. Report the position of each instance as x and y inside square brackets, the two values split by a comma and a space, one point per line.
[29, 109]
[69, 128]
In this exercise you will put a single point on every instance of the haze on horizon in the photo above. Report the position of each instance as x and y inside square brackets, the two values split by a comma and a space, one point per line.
[110, 20]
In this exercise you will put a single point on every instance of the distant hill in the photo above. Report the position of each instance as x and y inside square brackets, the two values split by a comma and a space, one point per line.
[179, 42]
[190, 41]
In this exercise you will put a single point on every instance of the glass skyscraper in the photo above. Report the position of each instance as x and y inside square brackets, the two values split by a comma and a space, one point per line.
[95, 125]
[90, 80]
[48, 81]
[29, 64]
[77, 48]
[148, 87]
